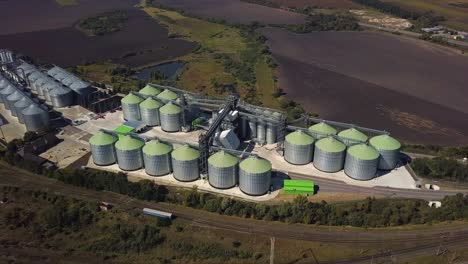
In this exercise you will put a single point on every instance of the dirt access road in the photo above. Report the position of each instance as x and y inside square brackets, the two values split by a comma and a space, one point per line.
[399, 242]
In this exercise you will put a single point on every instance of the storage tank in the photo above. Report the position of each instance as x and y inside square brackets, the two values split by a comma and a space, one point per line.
[170, 115]
[271, 133]
[35, 118]
[222, 170]
[298, 148]
[61, 96]
[20, 105]
[167, 95]
[5, 92]
[255, 176]
[261, 133]
[38, 84]
[131, 107]
[149, 91]
[156, 156]
[149, 111]
[253, 127]
[389, 149]
[12, 99]
[32, 78]
[3, 84]
[129, 154]
[102, 148]
[329, 154]
[321, 130]
[361, 162]
[352, 136]
[185, 164]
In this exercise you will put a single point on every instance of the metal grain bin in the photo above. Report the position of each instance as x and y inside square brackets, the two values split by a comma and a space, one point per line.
[149, 111]
[322, 130]
[35, 118]
[352, 136]
[131, 107]
[271, 130]
[5, 92]
[102, 149]
[129, 154]
[156, 156]
[222, 170]
[261, 132]
[298, 148]
[170, 115]
[39, 84]
[329, 154]
[167, 95]
[361, 162]
[252, 128]
[149, 90]
[12, 99]
[61, 96]
[255, 176]
[185, 164]
[389, 149]
[20, 106]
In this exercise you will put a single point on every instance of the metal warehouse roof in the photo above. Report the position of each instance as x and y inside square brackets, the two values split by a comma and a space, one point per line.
[156, 148]
[68, 79]
[167, 95]
[254, 164]
[363, 152]
[353, 133]
[131, 99]
[170, 108]
[299, 138]
[185, 153]
[222, 159]
[101, 139]
[129, 143]
[385, 142]
[150, 103]
[323, 128]
[330, 144]
[149, 90]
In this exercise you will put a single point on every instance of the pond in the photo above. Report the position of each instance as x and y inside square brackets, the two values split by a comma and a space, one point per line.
[169, 69]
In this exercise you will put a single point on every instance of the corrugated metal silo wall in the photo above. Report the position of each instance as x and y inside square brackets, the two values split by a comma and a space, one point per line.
[129, 160]
[261, 133]
[36, 122]
[271, 132]
[222, 178]
[185, 170]
[170, 122]
[38, 87]
[11, 104]
[360, 169]
[19, 109]
[157, 165]
[328, 161]
[252, 129]
[254, 183]
[388, 159]
[62, 100]
[131, 112]
[103, 155]
[298, 154]
[150, 116]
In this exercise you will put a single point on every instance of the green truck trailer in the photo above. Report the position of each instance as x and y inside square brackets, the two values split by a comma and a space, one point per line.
[302, 187]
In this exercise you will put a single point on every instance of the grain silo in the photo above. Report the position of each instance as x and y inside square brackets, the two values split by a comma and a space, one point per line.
[3, 84]
[298, 148]
[131, 107]
[222, 170]
[129, 154]
[12, 99]
[35, 118]
[38, 85]
[389, 149]
[5, 92]
[321, 130]
[271, 133]
[149, 111]
[61, 96]
[167, 95]
[185, 164]
[261, 132]
[352, 136]
[156, 156]
[252, 127]
[102, 148]
[20, 105]
[170, 117]
[329, 154]
[255, 176]
[149, 90]
[361, 162]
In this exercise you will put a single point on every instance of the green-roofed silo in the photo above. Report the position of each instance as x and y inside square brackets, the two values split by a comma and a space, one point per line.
[102, 148]
[185, 164]
[298, 148]
[352, 136]
[170, 117]
[255, 176]
[389, 149]
[149, 111]
[131, 107]
[222, 170]
[329, 154]
[321, 130]
[157, 158]
[129, 154]
[149, 90]
[167, 95]
[361, 162]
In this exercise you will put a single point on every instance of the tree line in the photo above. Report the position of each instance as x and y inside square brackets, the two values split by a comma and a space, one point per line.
[440, 168]
[325, 22]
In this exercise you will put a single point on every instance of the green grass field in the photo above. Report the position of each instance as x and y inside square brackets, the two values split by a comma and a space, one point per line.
[67, 2]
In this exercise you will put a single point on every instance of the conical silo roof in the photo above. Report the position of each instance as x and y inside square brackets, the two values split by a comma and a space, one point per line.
[353, 134]
[170, 108]
[385, 142]
[222, 159]
[299, 138]
[185, 153]
[156, 148]
[23, 102]
[33, 109]
[254, 164]
[167, 95]
[363, 152]
[323, 129]
[150, 103]
[149, 90]
[129, 143]
[330, 144]
[7, 90]
[102, 139]
[131, 99]
[3, 83]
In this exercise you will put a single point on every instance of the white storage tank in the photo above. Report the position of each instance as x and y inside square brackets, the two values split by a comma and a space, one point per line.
[185, 164]
[298, 148]
[361, 162]
[129, 154]
[102, 148]
[222, 170]
[170, 115]
[389, 149]
[149, 110]
[35, 118]
[156, 156]
[271, 131]
[255, 176]
[329, 154]
[131, 107]
[261, 132]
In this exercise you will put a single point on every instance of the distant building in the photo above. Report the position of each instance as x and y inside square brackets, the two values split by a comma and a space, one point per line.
[433, 29]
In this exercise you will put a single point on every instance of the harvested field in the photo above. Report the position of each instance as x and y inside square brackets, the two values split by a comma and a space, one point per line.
[142, 40]
[234, 11]
[411, 88]
[34, 15]
[340, 4]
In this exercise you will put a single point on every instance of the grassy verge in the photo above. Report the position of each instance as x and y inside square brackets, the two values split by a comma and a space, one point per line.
[67, 2]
